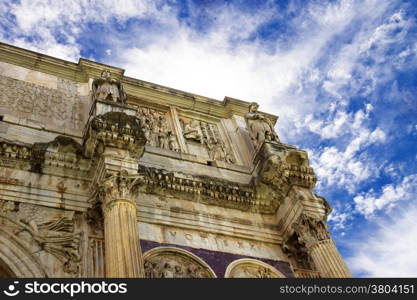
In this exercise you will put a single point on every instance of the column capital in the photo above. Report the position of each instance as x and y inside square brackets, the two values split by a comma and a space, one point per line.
[311, 229]
[117, 187]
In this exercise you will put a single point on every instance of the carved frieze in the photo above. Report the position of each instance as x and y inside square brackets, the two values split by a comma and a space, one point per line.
[208, 135]
[58, 106]
[52, 231]
[14, 150]
[61, 153]
[157, 129]
[14, 154]
[250, 268]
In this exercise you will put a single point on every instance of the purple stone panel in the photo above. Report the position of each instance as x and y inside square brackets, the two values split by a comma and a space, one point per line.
[219, 261]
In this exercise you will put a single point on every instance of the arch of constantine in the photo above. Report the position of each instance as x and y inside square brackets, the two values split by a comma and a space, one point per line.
[104, 175]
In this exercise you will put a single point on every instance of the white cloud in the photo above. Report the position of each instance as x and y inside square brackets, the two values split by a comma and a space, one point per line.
[388, 251]
[370, 202]
[339, 218]
[345, 166]
[43, 20]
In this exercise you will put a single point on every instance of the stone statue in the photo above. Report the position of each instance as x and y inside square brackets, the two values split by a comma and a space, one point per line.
[260, 127]
[106, 88]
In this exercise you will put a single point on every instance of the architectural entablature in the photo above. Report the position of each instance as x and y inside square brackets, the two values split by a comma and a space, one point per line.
[136, 90]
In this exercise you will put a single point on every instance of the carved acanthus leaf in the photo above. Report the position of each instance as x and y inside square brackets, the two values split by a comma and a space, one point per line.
[311, 229]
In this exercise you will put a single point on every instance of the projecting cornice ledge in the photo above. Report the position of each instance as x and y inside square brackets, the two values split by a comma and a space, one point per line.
[137, 90]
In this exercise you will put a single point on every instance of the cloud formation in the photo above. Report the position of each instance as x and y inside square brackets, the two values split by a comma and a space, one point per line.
[370, 202]
[388, 250]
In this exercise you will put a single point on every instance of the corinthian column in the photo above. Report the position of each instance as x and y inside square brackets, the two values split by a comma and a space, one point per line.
[122, 248]
[313, 233]
[328, 260]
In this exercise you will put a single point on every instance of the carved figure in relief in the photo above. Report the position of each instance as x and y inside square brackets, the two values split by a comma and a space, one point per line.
[163, 133]
[178, 272]
[174, 265]
[260, 127]
[192, 131]
[168, 272]
[215, 150]
[154, 133]
[252, 271]
[173, 144]
[157, 130]
[228, 156]
[107, 88]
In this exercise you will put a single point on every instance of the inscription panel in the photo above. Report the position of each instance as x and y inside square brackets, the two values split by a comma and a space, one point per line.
[50, 108]
[210, 241]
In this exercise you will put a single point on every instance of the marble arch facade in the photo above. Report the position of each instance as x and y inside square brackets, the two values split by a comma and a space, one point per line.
[98, 168]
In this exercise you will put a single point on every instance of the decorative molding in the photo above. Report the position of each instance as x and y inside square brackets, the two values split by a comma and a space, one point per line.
[198, 188]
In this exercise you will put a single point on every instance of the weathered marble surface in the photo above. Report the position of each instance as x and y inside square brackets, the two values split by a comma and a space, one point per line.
[43, 101]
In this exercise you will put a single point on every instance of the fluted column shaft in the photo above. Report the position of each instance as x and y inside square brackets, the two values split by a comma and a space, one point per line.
[123, 253]
[328, 260]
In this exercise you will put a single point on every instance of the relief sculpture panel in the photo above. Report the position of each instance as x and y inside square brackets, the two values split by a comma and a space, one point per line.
[175, 263]
[251, 268]
[158, 131]
[44, 230]
[204, 139]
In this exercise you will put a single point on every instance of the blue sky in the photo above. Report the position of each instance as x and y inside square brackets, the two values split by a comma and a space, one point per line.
[341, 75]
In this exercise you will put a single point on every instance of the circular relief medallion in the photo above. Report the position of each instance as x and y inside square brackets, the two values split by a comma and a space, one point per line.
[247, 268]
[175, 263]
